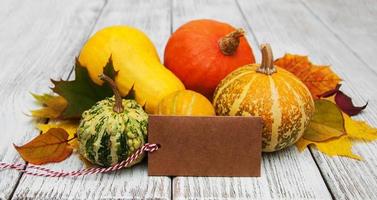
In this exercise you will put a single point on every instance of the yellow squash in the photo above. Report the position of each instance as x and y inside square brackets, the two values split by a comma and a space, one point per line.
[282, 100]
[136, 60]
[185, 102]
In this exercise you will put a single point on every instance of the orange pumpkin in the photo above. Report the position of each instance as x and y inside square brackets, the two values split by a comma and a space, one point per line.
[282, 100]
[202, 52]
[185, 102]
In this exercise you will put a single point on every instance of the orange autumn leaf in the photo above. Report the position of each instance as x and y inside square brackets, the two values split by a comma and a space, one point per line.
[70, 126]
[319, 79]
[46, 148]
[52, 106]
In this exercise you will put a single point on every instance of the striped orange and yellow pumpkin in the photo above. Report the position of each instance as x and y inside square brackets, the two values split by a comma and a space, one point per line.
[282, 100]
[185, 102]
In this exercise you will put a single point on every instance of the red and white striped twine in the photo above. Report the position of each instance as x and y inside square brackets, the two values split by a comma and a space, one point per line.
[94, 170]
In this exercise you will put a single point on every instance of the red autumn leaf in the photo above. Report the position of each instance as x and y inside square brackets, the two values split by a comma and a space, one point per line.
[51, 146]
[343, 101]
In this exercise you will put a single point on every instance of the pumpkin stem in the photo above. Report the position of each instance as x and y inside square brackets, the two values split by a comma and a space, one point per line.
[229, 43]
[267, 66]
[118, 107]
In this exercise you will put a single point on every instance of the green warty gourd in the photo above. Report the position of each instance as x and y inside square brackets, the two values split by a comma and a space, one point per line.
[112, 130]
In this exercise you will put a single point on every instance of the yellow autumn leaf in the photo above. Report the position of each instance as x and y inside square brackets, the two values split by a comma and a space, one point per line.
[302, 143]
[341, 146]
[325, 128]
[52, 106]
[326, 116]
[359, 129]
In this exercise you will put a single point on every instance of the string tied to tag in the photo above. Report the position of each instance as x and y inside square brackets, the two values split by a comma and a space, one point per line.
[45, 172]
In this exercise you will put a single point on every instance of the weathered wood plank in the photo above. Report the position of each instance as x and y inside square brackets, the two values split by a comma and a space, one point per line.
[354, 22]
[291, 27]
[37, 41]
[285, 175]
[153, 17]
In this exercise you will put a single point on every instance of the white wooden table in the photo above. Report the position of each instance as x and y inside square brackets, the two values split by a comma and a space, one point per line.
[40, 39]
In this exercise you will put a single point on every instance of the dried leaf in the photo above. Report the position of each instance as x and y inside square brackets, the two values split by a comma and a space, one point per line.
[341, 146]
[359, 129]
[318, 79]
[70, 126]
[337, 145]
[52, 108]
[343, 101]
[46, 148]
[327, 122]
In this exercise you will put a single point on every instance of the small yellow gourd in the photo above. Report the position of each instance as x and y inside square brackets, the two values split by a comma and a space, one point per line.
[185, 102]
[136, 60]
[280, 98]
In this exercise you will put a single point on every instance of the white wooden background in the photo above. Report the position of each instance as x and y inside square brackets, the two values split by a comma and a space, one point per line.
[40, 39]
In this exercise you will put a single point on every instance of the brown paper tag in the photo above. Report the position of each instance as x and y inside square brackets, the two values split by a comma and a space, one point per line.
[205, 146]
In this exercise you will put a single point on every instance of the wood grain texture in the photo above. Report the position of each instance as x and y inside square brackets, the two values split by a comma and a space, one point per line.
[133, 183]
[150, 16]
[37, 41]
[285, 174]
[354, 22]
[291, 27]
